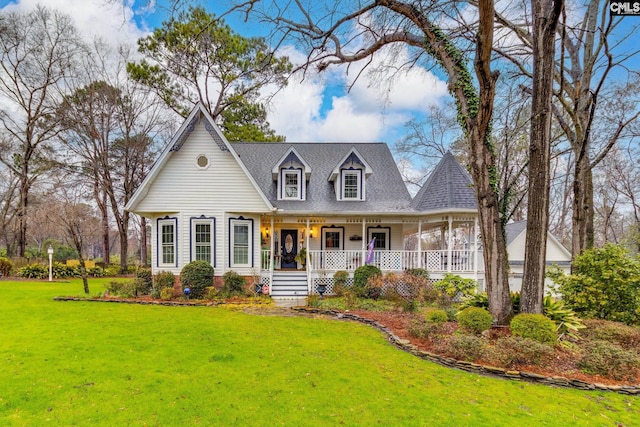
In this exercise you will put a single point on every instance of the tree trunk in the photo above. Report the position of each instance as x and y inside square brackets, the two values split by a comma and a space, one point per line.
[124, 242]
[582, 221]
[546, 14]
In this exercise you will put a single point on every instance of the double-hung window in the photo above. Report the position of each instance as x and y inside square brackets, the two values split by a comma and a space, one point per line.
[167, 242]
[291, 188]
[202, 240]
[351, 185]
[241, 243]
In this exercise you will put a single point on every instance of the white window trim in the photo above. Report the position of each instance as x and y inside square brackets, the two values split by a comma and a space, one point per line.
[174, 224]
[384, 231]
[340, 231]
[360, 185]
[282, 184]
[201, 221]
[232, 224]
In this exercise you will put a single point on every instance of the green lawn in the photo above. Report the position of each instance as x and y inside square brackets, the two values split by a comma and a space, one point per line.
[88, 363]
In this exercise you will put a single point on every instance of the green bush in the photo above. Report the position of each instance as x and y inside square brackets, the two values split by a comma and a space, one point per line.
[421, 328]
[509, 351]
[537, 327]
[96, 272]
[605, 284]
[234, 284]
[465, 347]
[475, 320]
[126, 289]
[211, 293]
[625, 336]
[63, 271]
[166, 294]
[482, 300]
[197, 276]
[361, 277]
[143, 281]
[611, 360]
[436, 316]
[453, 285]
[163, 279]
[5, 267]
[340, 278]
[34, 271]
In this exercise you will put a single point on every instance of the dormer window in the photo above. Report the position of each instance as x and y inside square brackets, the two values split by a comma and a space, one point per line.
[351, 185]
[349, 177]
[291, 184]
[291, 174]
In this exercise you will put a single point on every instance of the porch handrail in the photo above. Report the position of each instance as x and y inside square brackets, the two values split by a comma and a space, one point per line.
[393, 260]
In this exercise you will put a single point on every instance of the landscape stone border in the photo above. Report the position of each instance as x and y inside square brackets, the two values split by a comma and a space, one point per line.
[493, 371]
[406, 345]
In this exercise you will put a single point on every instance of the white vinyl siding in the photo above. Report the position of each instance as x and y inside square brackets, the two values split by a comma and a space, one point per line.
[241, 243]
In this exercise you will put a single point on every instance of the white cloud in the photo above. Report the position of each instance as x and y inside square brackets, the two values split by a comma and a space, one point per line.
[109, 20]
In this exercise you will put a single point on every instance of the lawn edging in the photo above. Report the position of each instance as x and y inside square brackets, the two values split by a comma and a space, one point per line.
[492, 371]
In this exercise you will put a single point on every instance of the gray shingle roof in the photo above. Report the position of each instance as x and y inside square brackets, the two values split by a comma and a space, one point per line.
[385, 189]
[449, 187]
[514, 229]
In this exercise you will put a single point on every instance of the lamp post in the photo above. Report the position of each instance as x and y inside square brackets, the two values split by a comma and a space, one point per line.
[50, 252]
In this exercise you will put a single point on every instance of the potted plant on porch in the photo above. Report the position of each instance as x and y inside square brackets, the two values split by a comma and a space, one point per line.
[301, 257]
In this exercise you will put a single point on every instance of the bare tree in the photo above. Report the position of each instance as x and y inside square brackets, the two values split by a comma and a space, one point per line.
[37, 53]
[347, 32]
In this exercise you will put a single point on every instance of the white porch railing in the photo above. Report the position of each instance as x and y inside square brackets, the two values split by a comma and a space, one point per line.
[433, 261]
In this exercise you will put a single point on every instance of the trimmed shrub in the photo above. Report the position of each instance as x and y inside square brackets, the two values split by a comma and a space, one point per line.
[95, 272]
[166, 294]
[143, 280]
[126, 289]
[627, 337]
[211, 293]
[436, 316]
[534, 326]
[609, 359]
[5, 267]
[421, 328]
[509, 351]
[234, 284]
[340, 278]
[605, 284]
[482, 300]
[465, 347]
[361, 277]
[163, 279]
[197, 276]
[475, 320]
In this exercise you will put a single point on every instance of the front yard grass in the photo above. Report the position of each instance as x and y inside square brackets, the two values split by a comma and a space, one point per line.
[94, 363]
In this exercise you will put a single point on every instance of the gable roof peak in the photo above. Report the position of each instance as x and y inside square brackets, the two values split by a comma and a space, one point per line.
[352, 156]
[448, 187]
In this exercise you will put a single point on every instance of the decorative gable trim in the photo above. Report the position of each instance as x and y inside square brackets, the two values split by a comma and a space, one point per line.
[352, 157]
[187, 127]
[291, 157]
[186, 132]
[215, 136]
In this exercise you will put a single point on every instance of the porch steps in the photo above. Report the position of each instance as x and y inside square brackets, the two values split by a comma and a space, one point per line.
[289, 284]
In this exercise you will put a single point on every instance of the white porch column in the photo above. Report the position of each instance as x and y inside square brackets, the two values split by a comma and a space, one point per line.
[419, 244]
[272, 248]
[364, 234]
[449, 244]
[308, 255]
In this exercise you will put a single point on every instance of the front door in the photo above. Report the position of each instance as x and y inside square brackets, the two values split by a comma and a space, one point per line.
[289, 248]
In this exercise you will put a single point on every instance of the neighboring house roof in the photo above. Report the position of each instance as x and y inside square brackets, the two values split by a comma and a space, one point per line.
[385, 189]
[514, 229]
[516, 241]
[449, 187]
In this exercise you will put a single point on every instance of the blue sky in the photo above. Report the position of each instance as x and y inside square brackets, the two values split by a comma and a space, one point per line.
[315, 109]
